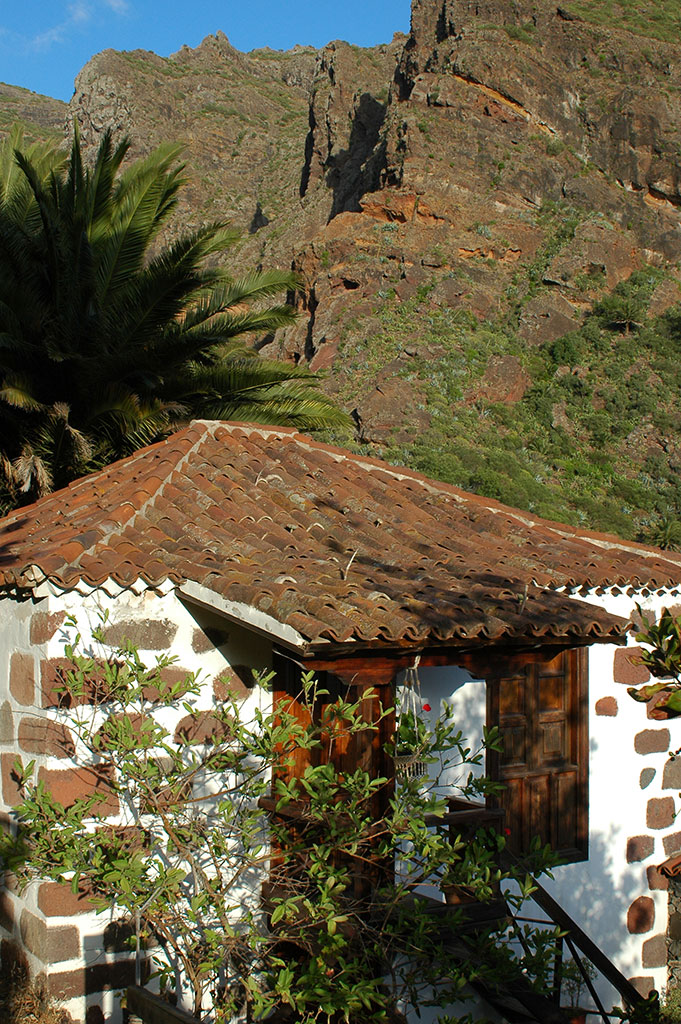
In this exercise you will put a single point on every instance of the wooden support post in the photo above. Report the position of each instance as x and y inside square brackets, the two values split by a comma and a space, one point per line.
[370, 681]
[368, 678]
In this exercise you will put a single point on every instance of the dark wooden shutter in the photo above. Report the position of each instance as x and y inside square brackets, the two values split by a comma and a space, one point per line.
[539, 702]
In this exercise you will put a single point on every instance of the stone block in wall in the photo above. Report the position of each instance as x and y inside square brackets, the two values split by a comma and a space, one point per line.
[146, 634]
[208, 638]
[644, 985]
[170, 676]
[42, 736]
[11, 793]
[53, 673]
[95, 978]
[117, 935]
[6, 912]
[671, 776]
[606, 707]
[641, 916]
[136, 723]
[67, 785]
[44, 626]
[13, 959]
[22, 678]
[656, 880]
[6, 723]
[654, 952]
[236, 683]
[674, 926]
[56, 899]
[12, 883]
[639, 847]
[202, 727]
[672, 843]
[646, 777]
[673, 974]
[51, 945]
[660, 812]
[651, 741]
[626, 669]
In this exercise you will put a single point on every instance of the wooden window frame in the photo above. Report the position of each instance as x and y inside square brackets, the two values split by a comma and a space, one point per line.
[579, 737]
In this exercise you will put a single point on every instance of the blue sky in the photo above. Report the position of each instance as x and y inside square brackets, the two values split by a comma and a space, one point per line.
[44, 43]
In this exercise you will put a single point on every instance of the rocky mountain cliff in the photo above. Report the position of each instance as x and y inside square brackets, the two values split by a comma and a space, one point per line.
[485, 218]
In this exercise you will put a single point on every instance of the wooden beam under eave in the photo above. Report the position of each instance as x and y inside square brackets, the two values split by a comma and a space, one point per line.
[359, 668]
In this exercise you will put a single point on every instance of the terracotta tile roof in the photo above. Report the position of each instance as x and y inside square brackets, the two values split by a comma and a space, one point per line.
[338, 547]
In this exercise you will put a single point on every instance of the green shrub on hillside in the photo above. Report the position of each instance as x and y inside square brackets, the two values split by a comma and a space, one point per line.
[585, 443]
[657, 19]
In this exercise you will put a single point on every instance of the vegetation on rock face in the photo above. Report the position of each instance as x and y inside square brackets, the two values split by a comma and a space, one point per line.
[104, 347]
[587, 437]
[507, 181]
[40, 118]
[657, 19]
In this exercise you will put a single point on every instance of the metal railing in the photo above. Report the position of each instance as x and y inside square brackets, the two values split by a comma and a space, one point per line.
[466, 817]
[576, 940]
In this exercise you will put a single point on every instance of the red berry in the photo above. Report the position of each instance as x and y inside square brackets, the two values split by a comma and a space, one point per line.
[426, 707]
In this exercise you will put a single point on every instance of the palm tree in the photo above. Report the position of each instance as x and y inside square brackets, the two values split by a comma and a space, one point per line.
[104, 347]
[665, 533]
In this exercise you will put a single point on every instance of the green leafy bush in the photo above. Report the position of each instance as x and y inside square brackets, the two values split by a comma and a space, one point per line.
[337, 934]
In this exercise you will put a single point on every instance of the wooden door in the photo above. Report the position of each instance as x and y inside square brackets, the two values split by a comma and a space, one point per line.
[539, 702]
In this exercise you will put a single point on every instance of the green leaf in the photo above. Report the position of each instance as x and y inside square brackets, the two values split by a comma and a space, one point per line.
[278, 913]
[673, 701]
[644, 693]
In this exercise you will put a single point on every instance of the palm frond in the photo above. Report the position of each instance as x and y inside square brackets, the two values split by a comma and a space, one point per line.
[261, 390]
[135, 214]
[158, 163]
[251, 288]
[156, 297]
[212, 340]
[32, 473]
[53, 453]
[305, 410]
[18, 390]
[15, 195]
[102, 348]
[100, 180]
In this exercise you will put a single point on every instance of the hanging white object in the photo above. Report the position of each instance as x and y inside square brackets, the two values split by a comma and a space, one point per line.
[410, 765]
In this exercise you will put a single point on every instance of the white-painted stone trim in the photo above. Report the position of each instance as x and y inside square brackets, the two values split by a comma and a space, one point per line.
[246, 614]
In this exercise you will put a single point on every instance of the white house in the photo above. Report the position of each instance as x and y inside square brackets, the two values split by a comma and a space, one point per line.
[237, 547]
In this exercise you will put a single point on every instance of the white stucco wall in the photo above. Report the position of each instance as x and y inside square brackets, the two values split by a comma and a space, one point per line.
[598, 894]
[184, 627]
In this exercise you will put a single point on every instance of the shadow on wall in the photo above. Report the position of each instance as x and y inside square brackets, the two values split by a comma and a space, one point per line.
[356, 170]
[598, 893]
